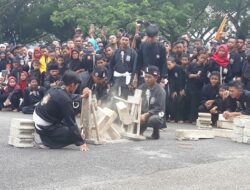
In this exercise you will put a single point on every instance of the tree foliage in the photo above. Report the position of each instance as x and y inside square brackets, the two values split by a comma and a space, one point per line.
[25, 20]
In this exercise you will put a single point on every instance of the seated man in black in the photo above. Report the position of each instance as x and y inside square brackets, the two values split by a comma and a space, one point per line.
[242, 98]
[153, 103]
[209, 93]
[32, 95]
[54, 116]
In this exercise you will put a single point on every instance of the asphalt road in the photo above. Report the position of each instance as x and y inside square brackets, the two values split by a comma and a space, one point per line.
[163, 164]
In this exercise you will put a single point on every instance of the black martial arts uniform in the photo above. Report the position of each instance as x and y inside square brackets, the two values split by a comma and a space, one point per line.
[236, 64]
[54, 120]
[176, 82]
[30, 99]
[151, 54]
[209, 92]
[213, 66]
[193, 90]
[153, 102]
[121, 68]
[246, 74]
[243, 103]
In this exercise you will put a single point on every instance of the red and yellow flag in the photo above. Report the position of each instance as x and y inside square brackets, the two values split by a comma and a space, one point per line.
[221, 29]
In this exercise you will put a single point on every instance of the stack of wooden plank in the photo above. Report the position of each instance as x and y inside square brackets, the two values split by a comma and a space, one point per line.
[204, 120]
[21, 133]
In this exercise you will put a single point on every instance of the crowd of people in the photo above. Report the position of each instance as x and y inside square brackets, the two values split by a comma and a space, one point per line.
[196, 77]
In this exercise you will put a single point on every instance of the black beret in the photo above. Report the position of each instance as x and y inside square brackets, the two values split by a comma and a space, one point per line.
[53, 66]
[152, 30]
[152, 70]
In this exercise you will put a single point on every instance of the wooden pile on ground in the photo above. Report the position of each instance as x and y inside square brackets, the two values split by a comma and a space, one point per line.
[129, 112]
[96, 123]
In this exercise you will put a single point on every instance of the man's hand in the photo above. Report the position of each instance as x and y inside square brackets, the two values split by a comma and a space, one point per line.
[192, 76]
[143, 118]
[85, 92]
[174, 94]
[182, 93]
[214, 110]
[7, 102]
[225, 94]
[226, 115]
[209, 103]
[84, 147]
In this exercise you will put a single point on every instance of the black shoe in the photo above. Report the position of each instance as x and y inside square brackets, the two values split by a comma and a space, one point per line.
[155, 135]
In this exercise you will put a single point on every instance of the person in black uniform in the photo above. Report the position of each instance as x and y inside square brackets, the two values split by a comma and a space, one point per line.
[32, 95]
[151, 52]
[53, 77]
[218, 62]
[98, 83]
[54, 116]
[224, 102]
[234, 58]
[121, 67]
[242, 98]
[194, 86]
[209, 94]
[245, 78]
[176, 82]
[153, 103]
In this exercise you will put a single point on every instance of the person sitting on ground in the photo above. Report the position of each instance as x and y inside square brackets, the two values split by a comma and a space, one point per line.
[242, 98]
[53, 77]
[35, 72]
[11, 94]
[153, 103]
[54, 116]
[223, 103]
[32, 95]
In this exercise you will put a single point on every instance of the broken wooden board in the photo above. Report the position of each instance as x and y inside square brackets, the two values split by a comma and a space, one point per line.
[123, 112]
[185, 134]
[134, 137]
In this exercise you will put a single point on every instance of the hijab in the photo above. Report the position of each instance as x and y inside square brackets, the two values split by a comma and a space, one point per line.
[224, 60]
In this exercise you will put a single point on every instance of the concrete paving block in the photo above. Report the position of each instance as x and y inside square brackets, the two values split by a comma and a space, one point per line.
[225, 124]
[204, 115]
[22, 123]
[185, 134]
[246, 132]
[225, 133]
[246, 140]
[21, 143]
[15, 131]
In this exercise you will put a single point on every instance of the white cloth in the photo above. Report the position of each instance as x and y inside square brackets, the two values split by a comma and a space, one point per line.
[39, 121]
